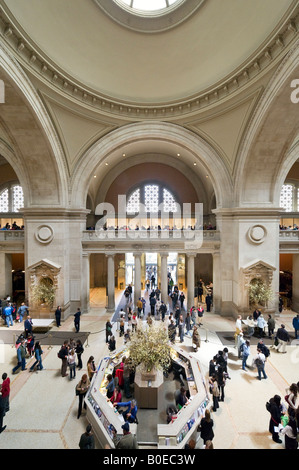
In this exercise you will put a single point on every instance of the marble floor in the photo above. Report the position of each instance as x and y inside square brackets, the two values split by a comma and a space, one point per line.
[43, 405]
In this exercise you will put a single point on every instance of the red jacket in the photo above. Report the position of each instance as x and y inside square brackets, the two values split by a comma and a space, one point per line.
[5, 389]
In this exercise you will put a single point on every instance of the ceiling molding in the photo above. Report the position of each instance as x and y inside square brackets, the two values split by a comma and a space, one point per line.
[149, 22]
[34, 60]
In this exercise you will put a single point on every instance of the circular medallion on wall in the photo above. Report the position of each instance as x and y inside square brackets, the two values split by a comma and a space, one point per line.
[257, 234]
[44, 234]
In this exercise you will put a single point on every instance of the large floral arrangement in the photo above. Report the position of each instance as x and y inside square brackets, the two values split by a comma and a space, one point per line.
[259, 293]
[44, 292]
[149, 346]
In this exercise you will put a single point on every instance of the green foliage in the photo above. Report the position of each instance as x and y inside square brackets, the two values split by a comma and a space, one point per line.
[259, 293]
[44, 292]
[149, 346]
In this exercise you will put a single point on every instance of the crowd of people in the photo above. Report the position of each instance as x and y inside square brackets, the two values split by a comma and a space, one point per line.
[116, 228]
[13, 226]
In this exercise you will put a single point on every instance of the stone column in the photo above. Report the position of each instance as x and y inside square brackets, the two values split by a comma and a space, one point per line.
[164, 278]
[295, 302]
[110, 282]
[137, 278]
[85, 283]
[5, 275]
[190, 280]
[216, 283]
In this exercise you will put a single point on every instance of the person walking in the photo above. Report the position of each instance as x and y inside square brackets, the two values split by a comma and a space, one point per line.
[79, 351]
[259, 361]
[21, 311]
[21, 356]
[87, 439]
[38, 357]
[58, 316]
[283, 338]
[271, 326]
[206, 427]
[77, 316]
[81, 390]
[8, 315]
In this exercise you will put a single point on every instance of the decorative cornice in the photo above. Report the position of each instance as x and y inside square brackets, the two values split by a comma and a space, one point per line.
[42, 67]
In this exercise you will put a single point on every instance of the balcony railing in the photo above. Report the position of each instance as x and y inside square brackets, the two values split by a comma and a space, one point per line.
[133, 235]
[11, 235]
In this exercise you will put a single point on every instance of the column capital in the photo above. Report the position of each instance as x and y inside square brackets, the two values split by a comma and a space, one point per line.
[110, 254]
[192, 254]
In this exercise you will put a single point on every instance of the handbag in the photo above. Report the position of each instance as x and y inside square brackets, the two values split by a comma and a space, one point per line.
[77, 391]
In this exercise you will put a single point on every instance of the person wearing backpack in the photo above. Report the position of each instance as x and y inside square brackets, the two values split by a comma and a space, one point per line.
[259, 361]
[63, 355]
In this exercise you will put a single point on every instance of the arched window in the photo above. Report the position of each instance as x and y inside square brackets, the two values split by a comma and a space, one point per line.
[11, 198]
[152, 196]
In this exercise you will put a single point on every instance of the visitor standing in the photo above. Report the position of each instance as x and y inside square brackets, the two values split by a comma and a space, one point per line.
[259, 361]
[79, 351]
[63, 355]
[295, 324]
[127, 441]
[77, 316]
[81, 390]
[28, 326]
[206, 427]
[87, 439]
[58, 316]
[274, 408]
[72, 357]
[245, 354]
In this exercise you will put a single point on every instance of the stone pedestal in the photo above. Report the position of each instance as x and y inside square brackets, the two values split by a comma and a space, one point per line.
[148, 393]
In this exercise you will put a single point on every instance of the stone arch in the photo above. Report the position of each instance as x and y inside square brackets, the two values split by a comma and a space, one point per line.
[147, 138]
[268, 153]
[32, 146]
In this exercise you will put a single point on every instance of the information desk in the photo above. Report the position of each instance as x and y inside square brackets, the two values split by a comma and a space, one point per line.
[177, 433]
[101, 414]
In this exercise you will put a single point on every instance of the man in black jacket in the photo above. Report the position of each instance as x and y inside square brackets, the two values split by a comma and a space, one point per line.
[283, 338]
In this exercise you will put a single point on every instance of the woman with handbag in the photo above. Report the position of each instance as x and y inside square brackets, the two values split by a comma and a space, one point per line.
[81, 390]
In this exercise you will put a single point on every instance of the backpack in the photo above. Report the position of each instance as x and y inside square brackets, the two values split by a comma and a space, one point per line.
[268, 406]
[60, 354]
[258, 362]
[266, 351]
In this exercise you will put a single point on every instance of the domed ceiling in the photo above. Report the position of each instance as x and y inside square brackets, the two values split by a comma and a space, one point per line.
[84, 42]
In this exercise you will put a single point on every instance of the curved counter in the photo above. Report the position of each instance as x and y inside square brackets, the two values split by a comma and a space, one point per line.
[101, 413]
